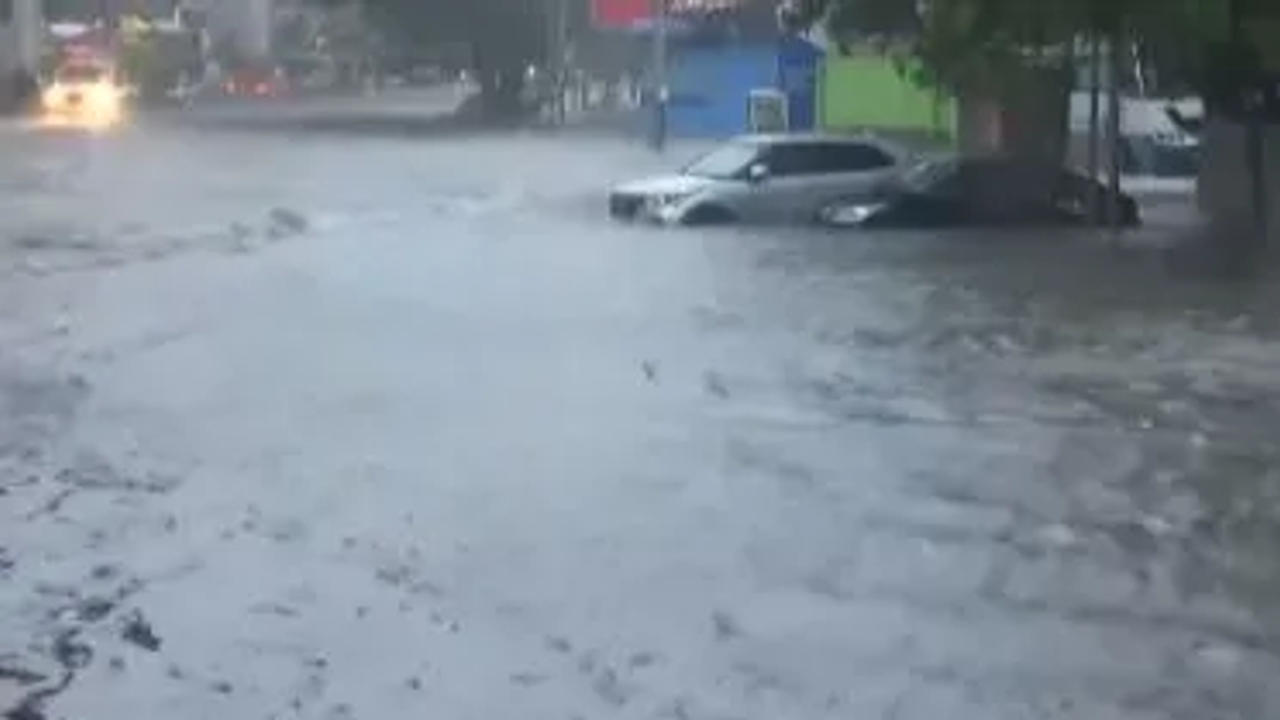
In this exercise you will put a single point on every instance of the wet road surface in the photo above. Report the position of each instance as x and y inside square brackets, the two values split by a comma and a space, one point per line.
[366, 428]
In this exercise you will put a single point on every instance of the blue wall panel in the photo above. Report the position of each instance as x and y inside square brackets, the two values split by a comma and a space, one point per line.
[709, 87]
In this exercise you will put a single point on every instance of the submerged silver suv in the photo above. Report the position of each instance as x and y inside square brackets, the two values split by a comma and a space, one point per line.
[764, 178]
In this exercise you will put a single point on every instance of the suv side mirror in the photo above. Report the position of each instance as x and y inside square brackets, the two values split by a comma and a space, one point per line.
[757, 173]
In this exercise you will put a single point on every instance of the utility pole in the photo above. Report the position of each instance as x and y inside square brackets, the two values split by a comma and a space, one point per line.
[661, 91]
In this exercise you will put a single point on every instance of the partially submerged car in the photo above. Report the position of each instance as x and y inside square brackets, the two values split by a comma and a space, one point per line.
[764, 178]
[993, 191]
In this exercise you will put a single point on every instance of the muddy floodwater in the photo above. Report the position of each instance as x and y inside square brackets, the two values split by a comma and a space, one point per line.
[349, 427]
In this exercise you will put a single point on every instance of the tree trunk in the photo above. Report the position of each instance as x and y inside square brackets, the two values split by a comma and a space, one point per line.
[1255, 150]
[557, 58]
[503, 99]
[660, 70]
[1095, 128]
[502, 48]
[1114, 138]
[501, 83]
[1253, 238]
[1254, 144]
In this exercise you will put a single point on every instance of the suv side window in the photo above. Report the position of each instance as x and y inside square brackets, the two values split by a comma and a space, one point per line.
[854, 157]
[795, 158]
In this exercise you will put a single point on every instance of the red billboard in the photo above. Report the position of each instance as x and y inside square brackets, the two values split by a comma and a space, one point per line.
[633, 13]
[621, 13]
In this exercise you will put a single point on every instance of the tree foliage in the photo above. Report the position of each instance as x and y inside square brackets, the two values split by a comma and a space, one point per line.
[965, 41]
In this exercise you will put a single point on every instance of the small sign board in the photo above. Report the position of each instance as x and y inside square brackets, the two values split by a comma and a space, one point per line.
[767, 111]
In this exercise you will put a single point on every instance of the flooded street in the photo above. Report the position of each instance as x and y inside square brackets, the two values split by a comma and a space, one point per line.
[345, 427]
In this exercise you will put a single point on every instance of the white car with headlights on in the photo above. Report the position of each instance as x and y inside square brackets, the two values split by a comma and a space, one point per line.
[84, 93]
[764, 178]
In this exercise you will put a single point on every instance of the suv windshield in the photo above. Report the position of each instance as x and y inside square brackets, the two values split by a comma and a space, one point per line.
[79, 74]
[726, 162]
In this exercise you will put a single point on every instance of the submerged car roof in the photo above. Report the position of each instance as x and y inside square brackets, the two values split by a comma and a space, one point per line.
[896, 149]
[999, 162]
[789, 138]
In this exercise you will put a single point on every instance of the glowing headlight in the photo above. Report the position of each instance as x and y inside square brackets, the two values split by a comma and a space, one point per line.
[105, 94]
[849, 214]
[862, 212]
[53, 95]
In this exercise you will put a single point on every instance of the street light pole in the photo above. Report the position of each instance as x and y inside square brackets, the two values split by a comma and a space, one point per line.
[660, 90]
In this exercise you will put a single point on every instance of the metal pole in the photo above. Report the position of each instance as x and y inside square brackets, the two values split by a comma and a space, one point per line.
[660, 89]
